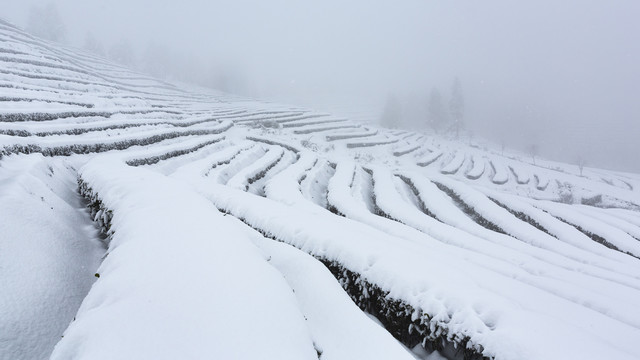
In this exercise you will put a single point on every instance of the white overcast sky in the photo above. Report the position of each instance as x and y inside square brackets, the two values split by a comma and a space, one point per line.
[563, 74]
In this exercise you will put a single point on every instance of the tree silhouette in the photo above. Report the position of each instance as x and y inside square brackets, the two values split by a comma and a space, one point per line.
[533, 151]
[438, 118]
[392, 113]
[456, 106]
[581, 162]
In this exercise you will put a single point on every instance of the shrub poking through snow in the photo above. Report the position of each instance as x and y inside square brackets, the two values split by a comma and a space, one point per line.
[470, 211]
[67, 150]
[409, 325]
[155, 159]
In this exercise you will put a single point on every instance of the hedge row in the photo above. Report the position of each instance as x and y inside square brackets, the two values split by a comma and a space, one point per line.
[595, 237]
[80, 131]
[67, 150]
[429, 161]
[40, 116]
[156, 159]
[371, 143]
[470, 211]
[264, 171]
[409, 325]
[421, 205]
[524, 217]
[49, 101]
[349, 136]
[275, 143]
[99, 212]
[406, 151]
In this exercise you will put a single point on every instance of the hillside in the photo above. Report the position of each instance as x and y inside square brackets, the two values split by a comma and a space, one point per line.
[145, 220]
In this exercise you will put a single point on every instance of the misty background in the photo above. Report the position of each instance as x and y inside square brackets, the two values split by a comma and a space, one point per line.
[562, 76]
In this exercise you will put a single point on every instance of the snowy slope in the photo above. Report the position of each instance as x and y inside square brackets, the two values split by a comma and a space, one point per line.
[223, 227]
[48, 254]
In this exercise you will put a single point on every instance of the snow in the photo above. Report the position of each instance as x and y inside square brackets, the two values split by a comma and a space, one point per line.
[430, 158]
[615, 235]
[454, 165]
[340, 330]
[244, 177]
[285, 186]
[500, 173]
[392, 267]
[49, 252]
[477, 169]
[176, 255]
[247, 229]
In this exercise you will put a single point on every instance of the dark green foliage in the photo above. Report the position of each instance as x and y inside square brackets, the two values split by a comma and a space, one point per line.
[409, 325]
[592, 201]
[597, 238]
[422, 205]
[264, 171]
[68, 150]
[469, 211]
[524, 217]
[404, 152]
[5, 98]
[79, 131]
[271, 142]
[156, 159]
[36, 116]
[100, 214]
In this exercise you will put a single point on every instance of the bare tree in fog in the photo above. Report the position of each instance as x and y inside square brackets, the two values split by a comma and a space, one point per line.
[533, 150]
[392, 113]
[438, 117]
[581, 162]
[45, 22]
[456, 106]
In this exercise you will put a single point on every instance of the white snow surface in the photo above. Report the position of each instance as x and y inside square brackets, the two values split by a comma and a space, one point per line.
[48, 255]
[340, 330]
[179, 281]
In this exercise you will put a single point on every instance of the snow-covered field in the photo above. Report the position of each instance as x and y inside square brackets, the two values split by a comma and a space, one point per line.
[145, 220]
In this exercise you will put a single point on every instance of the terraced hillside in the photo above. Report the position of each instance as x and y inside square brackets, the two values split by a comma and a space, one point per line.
[145, 220]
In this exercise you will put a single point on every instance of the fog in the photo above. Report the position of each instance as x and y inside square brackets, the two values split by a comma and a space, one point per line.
[562, 75]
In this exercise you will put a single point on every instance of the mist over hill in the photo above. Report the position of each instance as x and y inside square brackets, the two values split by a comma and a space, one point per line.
[561, 76]
[148, 217]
